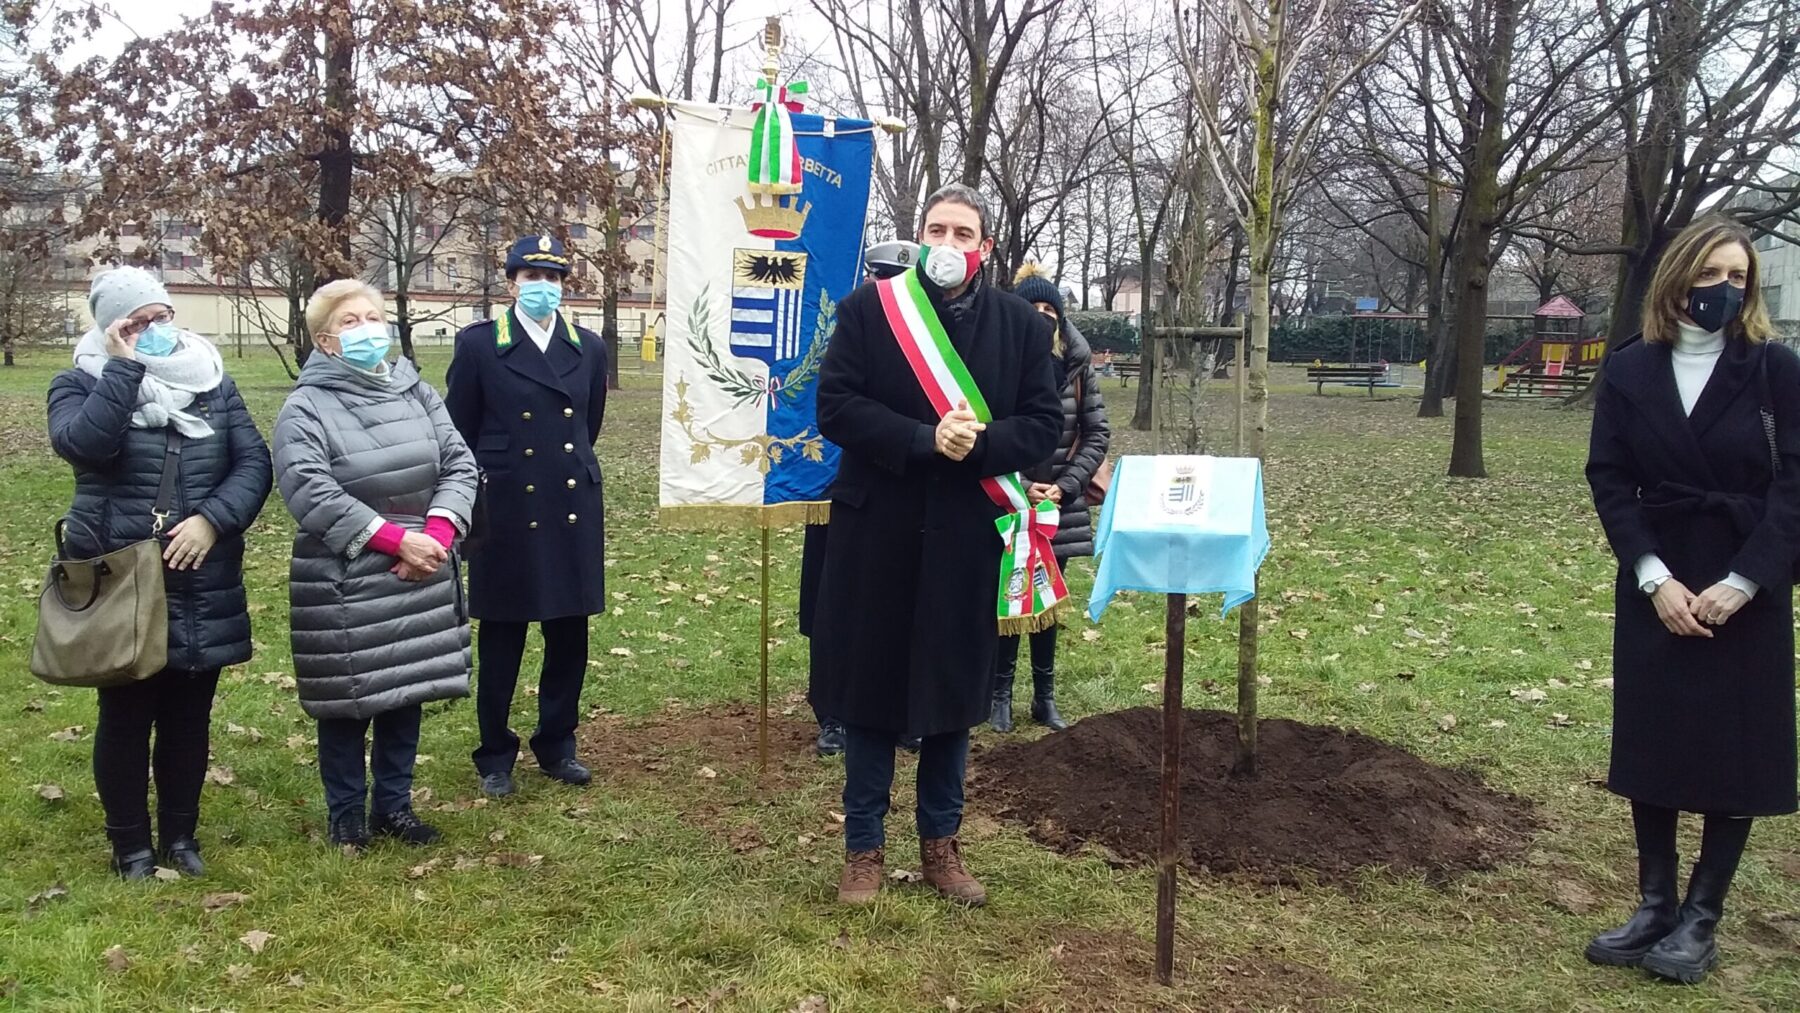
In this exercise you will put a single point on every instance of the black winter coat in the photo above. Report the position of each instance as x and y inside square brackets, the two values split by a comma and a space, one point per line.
[1081, 449]
[532, 419]
[224, 478]
[1701, 724]
[905, 632]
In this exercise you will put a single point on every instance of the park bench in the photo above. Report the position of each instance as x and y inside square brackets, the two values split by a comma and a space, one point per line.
[1541, 384]
[1126, 370]
[1352, 376]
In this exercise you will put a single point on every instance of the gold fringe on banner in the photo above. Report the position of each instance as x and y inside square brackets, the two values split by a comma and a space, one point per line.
[706, 517]
[1019, 626]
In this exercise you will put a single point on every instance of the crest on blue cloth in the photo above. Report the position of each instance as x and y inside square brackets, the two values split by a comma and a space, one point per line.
[768, 302]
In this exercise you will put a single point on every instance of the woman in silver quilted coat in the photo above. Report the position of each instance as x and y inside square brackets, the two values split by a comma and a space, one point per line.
[382, 487]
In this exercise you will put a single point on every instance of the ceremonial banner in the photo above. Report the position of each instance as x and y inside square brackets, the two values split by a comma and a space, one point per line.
[1182, 525]
[754, 279]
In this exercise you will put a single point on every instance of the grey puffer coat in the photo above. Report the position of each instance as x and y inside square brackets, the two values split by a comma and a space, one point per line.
[223, 478]
[1080, 449]
[349, 448]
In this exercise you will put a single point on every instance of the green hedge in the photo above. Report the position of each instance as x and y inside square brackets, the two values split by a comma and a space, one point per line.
[1106, 331]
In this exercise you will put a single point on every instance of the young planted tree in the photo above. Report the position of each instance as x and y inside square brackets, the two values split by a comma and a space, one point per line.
[1289, 59]
[271, 121]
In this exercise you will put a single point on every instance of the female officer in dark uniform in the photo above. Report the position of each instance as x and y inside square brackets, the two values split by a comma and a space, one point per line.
[528, 390]
[1695, 467]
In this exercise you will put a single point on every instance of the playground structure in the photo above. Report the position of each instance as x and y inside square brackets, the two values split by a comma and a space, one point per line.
[1557, 360]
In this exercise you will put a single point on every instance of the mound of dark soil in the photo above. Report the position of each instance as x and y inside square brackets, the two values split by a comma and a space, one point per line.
[1325, 800]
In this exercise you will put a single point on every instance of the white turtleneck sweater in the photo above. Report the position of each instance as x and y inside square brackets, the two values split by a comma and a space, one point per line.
[1695, 354]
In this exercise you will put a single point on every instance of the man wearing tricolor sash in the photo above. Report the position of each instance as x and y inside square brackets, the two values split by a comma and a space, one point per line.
[939, 389]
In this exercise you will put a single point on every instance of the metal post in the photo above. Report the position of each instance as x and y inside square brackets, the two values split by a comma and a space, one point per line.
[762, 714]
[1168, 856]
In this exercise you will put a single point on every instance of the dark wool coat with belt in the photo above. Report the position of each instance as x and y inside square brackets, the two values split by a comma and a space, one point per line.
[532, 418]
[223, 477]
[1701, 724]
[1081, 448]
[905, 631]
[349, 450]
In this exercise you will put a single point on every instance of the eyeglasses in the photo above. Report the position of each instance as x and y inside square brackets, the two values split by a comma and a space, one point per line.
[135, 325]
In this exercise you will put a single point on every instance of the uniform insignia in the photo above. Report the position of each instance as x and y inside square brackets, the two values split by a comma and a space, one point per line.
[543, 244]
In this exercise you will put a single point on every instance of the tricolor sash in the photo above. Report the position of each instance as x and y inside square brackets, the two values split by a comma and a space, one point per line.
[1031, 584]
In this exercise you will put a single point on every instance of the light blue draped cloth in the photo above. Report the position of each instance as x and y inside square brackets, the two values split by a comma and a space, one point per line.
[1182, 525]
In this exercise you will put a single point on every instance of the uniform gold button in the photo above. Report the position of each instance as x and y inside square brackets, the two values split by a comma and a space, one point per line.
[571, 483]
[529, 451]
[531, 488]
[571, 518]
[568, 448]
[568, 413]
[532, 525]
[526, 416]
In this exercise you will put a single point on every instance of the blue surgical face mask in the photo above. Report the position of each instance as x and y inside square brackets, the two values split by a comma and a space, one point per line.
[157, 340]
[539, 298]
[365, 346]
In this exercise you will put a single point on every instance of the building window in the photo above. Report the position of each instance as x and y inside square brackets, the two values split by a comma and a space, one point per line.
[1772, 299]
[578, 231]
[1766, 242]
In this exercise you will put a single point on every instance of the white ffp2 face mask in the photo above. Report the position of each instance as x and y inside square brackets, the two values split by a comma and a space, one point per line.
[948, 267]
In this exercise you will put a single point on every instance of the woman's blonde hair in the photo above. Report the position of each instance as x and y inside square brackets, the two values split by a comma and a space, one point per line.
[1680, 268]
[325, 302]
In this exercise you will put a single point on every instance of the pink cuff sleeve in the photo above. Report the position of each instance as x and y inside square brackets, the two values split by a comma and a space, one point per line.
[387, 540]
[441, 529]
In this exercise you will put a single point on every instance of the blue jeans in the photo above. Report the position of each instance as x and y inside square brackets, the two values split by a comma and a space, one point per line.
[869, 779]
[392, 751]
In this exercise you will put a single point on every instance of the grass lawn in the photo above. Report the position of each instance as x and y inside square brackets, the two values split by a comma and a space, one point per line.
[1393, 597]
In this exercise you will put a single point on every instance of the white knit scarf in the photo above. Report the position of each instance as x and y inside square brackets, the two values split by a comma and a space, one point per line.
[170, 384]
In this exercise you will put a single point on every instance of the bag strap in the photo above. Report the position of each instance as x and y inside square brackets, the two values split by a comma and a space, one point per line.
[165, 492]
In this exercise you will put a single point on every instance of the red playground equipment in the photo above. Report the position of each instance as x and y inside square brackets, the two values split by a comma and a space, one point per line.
[1556, 361]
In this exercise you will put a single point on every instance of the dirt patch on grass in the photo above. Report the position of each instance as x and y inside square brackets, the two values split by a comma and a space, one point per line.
[1117, 970]
[1326, 803]
[681, 741]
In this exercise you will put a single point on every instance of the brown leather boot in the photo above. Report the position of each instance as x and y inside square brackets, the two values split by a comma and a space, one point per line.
[861, 880]
[942, 864]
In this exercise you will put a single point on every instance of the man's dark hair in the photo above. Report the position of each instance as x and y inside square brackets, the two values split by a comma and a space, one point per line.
[956, 193]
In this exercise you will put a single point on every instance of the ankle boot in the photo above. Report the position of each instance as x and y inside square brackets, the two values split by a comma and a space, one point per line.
[1043, 701]
[941, 862]
[1654, 919]
[131, 854]
[178, 849]
[1690, 951]
[1001, 720]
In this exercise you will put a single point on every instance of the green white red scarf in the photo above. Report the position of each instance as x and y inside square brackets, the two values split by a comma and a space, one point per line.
[775, 165]
[1031, 584]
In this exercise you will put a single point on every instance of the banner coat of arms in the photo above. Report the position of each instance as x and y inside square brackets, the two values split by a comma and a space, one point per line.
[753, 283]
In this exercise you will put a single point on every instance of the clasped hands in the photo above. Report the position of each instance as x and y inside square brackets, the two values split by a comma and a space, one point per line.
[956, 432]
[420, 556]
[1687, 614]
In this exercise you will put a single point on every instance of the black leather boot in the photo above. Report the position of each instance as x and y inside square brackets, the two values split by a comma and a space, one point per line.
[1001, 720]
[1691, 950]
[132, 857]
[405, 826]
[1043, 701]
[1655, 917]
[831, 738]
[178, 849]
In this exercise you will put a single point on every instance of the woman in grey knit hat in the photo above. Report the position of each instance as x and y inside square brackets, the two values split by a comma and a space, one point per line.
[145, 395]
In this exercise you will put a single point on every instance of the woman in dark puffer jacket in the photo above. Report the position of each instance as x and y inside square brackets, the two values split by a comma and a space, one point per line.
[137, 377]
[1064, 478]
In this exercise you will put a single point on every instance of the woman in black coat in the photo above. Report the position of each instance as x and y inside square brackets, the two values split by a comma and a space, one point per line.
[1695, 468]
[137, 378]
[1064, 479]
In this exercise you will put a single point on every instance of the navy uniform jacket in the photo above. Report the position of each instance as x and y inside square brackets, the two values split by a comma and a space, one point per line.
[532, 418]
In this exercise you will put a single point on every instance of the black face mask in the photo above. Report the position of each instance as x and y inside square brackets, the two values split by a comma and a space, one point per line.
[1715, 306]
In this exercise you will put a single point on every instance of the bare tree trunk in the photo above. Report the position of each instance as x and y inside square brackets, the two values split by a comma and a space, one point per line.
[403, 322]
[1437, 344]
[1475, 241]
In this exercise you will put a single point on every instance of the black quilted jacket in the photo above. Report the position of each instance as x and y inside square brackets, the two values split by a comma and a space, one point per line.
[224, 478]
[1080, 449]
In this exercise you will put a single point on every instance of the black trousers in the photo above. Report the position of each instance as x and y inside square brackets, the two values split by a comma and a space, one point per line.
[500, 648]
[177, 704]
[393, 752]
